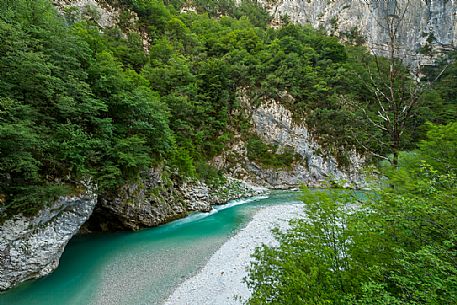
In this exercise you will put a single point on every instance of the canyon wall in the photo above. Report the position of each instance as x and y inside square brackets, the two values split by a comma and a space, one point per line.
[426, 28]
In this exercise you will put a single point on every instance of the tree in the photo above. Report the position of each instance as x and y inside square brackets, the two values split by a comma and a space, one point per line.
[311, 264]
[392, 246]
[393, 81]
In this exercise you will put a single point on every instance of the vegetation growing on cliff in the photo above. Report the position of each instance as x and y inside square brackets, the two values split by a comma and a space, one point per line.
[78, 101]
[268, 155]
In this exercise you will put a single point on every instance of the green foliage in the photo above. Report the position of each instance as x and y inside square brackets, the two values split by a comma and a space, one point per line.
[77, 100]
[31, 198]
[249, 9]
[443, 159]
[302, 269]
[183, 162]
[70, 108]
[394, 245]
[209, 174]
[268, 155]
[445, 105]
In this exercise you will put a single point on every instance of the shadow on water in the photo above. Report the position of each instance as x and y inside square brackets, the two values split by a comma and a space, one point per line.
[141, 267]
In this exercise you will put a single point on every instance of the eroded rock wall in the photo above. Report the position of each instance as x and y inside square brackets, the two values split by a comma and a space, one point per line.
[157, 199]
[105, 15]
[30, 247]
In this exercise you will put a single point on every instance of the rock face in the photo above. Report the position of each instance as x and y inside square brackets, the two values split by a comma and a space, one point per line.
[274, 124]
[426, 23]
[106, 13]
[151, 201]
[100, 11]
[157, 199]
[30, 247]
[200, 197]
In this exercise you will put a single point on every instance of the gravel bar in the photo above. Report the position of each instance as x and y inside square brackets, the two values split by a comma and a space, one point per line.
[220, 281]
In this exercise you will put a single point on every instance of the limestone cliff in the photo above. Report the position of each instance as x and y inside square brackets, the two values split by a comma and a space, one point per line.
[30, 247]
[426, 24]
[105, 15]
[275, 125]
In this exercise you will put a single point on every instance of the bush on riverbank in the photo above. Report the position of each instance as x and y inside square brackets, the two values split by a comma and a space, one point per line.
[397, 246]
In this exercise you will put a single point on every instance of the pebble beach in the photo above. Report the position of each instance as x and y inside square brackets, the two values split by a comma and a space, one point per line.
[220, 281]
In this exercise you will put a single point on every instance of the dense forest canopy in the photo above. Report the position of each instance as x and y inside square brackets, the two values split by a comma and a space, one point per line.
[78, 101]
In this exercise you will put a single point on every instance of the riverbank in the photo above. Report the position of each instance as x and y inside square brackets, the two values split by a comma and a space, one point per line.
[147, 266]
[220, 281]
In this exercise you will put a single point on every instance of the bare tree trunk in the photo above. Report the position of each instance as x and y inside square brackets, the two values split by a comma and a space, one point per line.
[394, 90]
[395, 132]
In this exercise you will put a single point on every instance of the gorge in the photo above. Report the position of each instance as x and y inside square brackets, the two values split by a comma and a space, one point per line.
[124, 115]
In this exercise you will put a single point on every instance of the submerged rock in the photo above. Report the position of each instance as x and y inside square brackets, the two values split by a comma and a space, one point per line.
[30, 247]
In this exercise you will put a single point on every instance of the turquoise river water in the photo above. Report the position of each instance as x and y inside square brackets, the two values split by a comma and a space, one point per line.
[139, 268]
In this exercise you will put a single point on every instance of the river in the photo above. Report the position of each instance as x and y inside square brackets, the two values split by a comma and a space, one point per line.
[144, 267]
